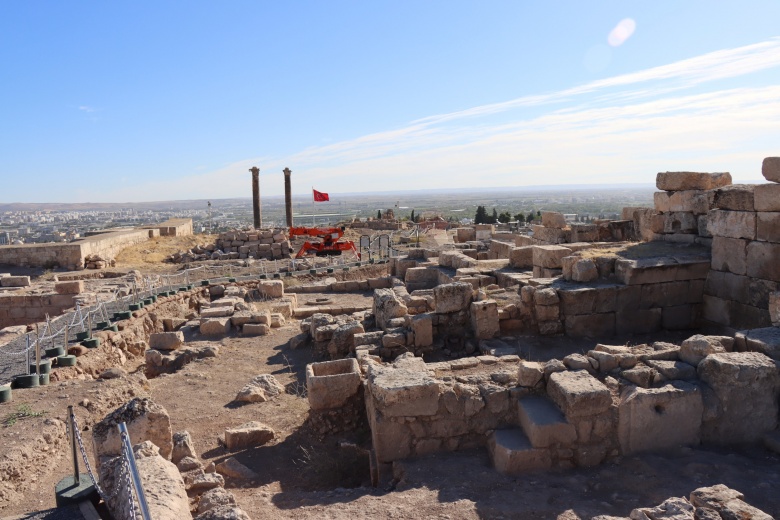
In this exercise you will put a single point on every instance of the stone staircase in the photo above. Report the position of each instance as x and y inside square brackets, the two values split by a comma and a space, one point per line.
[543, 427]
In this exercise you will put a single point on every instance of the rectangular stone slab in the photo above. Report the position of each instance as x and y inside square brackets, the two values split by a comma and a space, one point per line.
[578, 394]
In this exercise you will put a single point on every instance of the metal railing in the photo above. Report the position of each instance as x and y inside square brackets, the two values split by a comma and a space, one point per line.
[20, 354]
[128, 479]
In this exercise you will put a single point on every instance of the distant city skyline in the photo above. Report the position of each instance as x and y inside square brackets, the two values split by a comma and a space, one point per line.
[149, 102]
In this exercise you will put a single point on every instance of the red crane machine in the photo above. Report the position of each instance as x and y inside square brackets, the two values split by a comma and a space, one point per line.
[330, 244]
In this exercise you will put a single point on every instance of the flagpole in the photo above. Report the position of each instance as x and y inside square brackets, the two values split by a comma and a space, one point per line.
[313, 205]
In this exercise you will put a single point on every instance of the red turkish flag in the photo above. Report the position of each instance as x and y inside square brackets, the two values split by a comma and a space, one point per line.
[320, 196]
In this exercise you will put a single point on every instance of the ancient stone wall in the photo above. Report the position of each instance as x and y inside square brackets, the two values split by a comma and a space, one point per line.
[581, 411]
[745, 226]
[71, 255]
[23, 309]
[270, 244]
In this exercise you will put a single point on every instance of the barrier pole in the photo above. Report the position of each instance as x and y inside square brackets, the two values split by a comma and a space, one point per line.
[134, 476]
[72, 428]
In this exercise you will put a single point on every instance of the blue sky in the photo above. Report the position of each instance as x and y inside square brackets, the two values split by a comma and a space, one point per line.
[136, 101]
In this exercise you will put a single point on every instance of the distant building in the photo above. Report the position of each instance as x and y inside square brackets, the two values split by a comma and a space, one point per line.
[5, 238]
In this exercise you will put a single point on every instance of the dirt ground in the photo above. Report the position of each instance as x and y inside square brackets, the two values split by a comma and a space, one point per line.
[149, 255]
[304, 474]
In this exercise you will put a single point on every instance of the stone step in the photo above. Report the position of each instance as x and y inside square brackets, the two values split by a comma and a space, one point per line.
[543, 423]
[511, 452]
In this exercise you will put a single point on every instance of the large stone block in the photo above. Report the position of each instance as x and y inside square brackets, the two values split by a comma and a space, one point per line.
[402, 392]
[215, 326]
[578, 394]
[694, 349]
[553, 219]
[660, 418]
[584, 232]
[765, 340]
[529, 373]
[74, 287]
[452, 297]
[770, 169]
[584, 270]
[550, 256]
[693, 201]
[166, 340]
[767, 197]
[512, 453]
[768, 226]
[145, 421]
[271, 288]
[422, 328]
[248, 435]
[737, 197]
[762, 260]
[664, 294]
[15, 281]
[331, 384]
[551, 235]
[521, 257]
[166, 495]
[729, 255]
[732, 224]
[543, 423]
[484, 319]
[635, 272]
[680, 222]
[745, 386]
[590, 325]
[679, 181]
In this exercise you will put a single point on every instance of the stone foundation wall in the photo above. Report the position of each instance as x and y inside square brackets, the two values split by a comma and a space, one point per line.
[24, 309]
[581, 411]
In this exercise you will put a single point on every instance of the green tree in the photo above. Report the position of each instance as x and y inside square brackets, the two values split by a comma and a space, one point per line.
[520, 218]
[494, 217]
[379, 214]
[481, 216]
[412, 217]
[504, 217]
[539, 213]
[530, 217]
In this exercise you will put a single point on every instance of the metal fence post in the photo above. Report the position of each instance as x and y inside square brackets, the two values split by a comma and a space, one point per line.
[134, 476]
[72, 428]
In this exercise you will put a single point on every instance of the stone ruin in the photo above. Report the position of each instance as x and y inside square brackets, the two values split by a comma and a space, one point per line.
[702, 258]
[268, 244]
[445, 357]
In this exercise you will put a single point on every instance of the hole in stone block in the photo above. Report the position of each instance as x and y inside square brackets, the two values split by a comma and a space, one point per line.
[659, 409]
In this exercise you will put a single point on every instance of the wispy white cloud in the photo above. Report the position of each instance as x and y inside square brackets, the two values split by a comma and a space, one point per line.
[87, 109]
[619, 129]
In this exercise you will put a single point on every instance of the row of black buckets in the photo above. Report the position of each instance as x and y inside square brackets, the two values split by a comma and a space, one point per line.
[58, 357]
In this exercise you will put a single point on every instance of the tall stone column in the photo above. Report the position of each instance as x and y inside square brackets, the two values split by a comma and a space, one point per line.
[288, 196]
[256, 196]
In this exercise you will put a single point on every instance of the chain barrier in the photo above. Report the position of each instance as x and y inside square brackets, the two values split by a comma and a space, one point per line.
[120, 299]
[123, 481]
